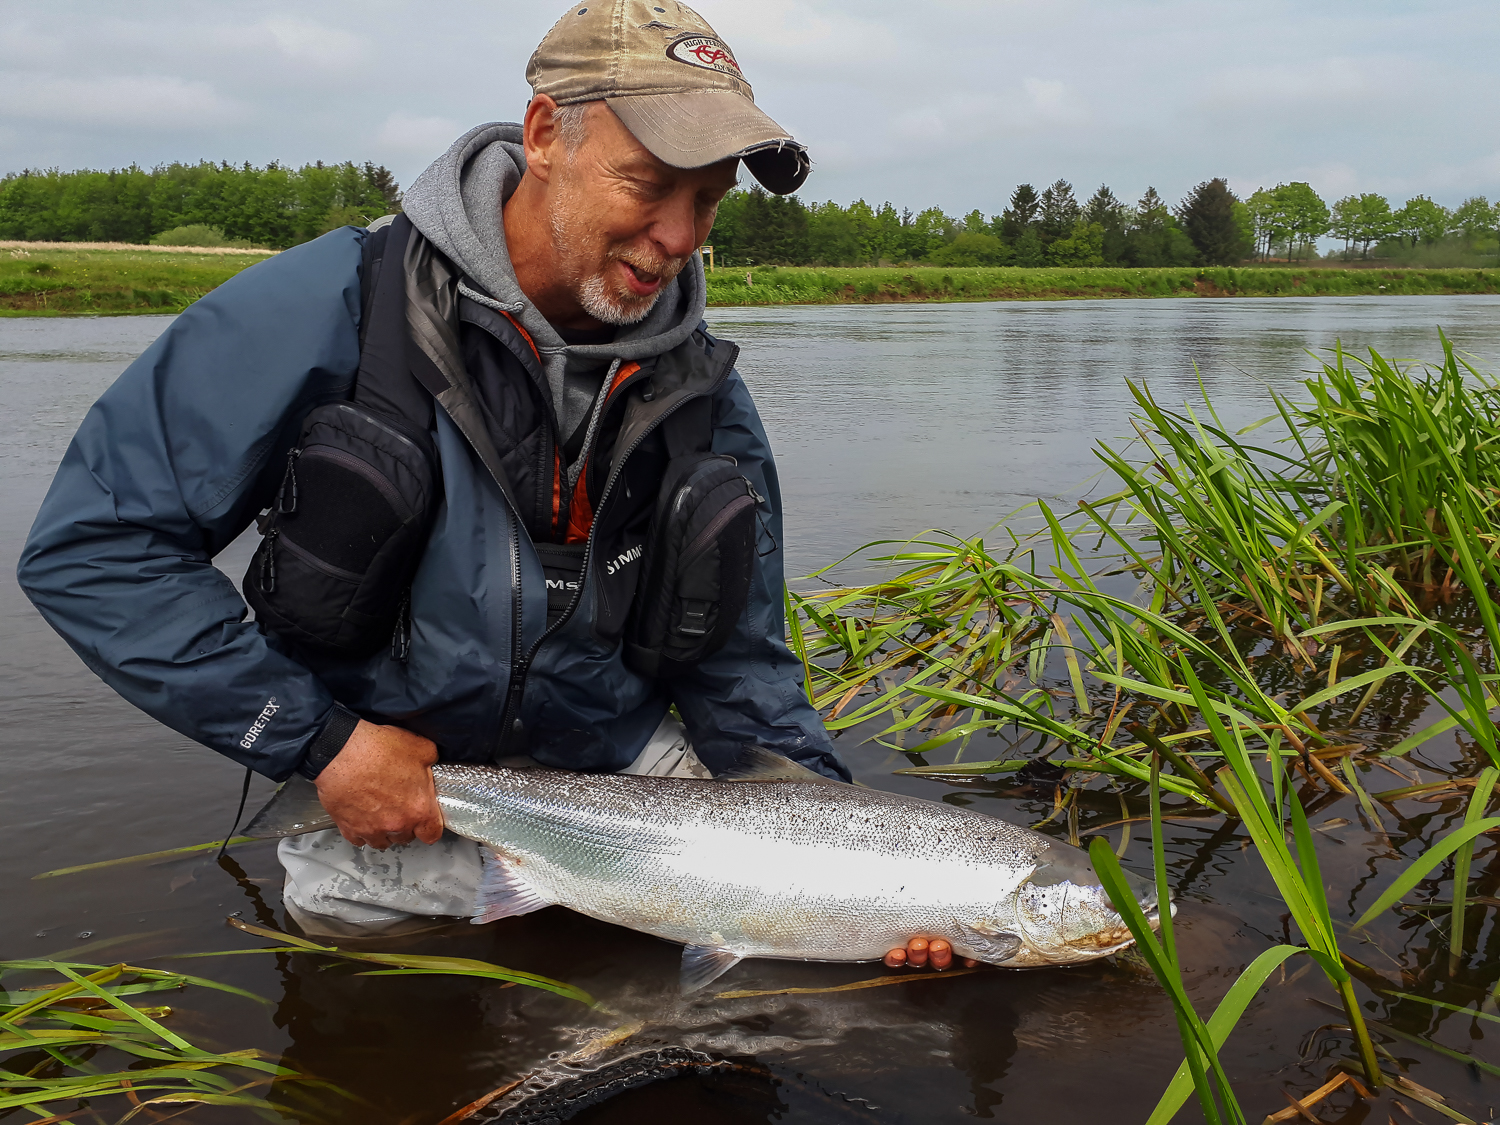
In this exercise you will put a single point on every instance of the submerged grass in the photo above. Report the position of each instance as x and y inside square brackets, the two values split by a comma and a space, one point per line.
[1216, 628]
[68, 1047]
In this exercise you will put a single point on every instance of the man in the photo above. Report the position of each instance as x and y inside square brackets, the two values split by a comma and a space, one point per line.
[547, 288]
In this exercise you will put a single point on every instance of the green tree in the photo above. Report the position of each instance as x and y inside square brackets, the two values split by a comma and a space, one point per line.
[1476, 219]
[1106, 211]
[1345, 223]
[1305, 215]
[1422, 220]
[1029, 250]
[1020, 215]
[972, 248]
[832, 236]
[1153, 237]
[1084, 246]
[270, 206]
[1058, 211]
[1377, 222]
[1207, 217]
[1269, 222]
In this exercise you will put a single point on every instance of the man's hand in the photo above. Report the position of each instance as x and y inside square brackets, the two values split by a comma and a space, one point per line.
[920, 951]
[379, 788]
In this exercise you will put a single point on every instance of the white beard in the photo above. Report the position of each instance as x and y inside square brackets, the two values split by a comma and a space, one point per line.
[598, 297]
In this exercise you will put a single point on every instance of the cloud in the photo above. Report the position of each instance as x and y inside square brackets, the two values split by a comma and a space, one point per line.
[947, 102]
[411, 135]
[152, 103]
[315, 44]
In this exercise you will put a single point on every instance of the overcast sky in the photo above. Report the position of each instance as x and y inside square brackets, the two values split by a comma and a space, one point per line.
[947, 102]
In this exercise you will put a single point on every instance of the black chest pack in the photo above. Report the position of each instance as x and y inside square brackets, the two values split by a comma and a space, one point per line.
[361, 486]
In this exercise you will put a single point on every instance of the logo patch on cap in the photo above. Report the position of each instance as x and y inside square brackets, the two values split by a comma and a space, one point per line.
[706, 52]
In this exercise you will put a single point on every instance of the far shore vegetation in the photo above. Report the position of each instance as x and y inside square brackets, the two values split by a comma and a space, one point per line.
[82, 279]
[138, 241]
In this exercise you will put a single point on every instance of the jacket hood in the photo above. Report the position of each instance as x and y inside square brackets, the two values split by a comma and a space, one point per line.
[456, 205]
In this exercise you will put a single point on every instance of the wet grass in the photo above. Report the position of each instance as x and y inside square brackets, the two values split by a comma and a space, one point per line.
[1216, 632]
[56, 282]
[71, 1049]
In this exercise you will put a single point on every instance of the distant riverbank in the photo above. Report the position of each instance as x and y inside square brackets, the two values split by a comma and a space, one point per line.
[879, 285]
[72, 279]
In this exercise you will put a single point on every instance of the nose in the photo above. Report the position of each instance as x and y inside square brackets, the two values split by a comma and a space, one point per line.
[674, 230]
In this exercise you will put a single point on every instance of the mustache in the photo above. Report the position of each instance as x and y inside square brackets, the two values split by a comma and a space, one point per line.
[646, 262]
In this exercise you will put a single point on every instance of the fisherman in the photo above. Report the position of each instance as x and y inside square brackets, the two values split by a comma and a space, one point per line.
[458, 432]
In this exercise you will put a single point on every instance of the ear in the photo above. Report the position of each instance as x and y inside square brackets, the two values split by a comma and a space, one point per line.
[540, 138]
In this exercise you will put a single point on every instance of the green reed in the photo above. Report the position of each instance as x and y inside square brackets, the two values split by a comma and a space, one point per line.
[1278, 593]
[78, 1041]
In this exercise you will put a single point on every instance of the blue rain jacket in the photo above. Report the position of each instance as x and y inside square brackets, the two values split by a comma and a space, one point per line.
[172, 464]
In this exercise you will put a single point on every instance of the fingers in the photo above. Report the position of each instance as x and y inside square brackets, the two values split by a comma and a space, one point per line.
[920, 952]
[916, 952]
[940, 953]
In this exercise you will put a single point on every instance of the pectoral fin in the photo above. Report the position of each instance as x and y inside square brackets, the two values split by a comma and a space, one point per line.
[989, 943]
[291, 811]
[704, 964]
[503, 891]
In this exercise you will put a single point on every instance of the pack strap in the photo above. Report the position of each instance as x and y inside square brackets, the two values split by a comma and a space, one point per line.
[386, 381]
[690, 428]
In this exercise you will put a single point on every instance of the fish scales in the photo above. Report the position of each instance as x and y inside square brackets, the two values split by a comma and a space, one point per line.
[786, 869]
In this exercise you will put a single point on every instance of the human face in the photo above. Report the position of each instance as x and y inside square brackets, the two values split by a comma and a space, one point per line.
[623, 223]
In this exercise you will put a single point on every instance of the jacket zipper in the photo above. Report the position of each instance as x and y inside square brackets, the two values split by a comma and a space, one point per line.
[510, 721]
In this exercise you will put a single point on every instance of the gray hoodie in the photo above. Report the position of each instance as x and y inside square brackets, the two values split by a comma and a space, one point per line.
[456, 204]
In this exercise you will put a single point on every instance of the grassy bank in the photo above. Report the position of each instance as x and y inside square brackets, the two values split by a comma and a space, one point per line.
[68, 282]
[1253, 635]
[878, 285]
[52, 279]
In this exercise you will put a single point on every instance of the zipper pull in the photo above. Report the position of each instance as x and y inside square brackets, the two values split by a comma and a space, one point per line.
[760, 518]
[288, 484]
[401, 635]
[268, 561]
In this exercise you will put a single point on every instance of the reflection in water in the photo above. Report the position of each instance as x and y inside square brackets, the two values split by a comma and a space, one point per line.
[885, 420]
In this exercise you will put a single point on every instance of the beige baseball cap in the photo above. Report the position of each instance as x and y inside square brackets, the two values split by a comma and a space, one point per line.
[673, 82]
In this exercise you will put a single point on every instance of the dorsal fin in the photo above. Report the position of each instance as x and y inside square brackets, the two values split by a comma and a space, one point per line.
[756, 763]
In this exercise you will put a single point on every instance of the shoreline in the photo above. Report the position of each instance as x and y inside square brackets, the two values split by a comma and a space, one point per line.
[99, 279]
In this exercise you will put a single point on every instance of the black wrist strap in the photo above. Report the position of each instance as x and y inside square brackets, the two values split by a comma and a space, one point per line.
[336, 730]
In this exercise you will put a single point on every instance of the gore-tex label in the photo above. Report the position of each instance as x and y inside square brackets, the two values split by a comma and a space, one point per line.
[262, 721]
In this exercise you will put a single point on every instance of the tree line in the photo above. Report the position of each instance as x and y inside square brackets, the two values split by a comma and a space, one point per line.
[1210, 226]
[273, 206]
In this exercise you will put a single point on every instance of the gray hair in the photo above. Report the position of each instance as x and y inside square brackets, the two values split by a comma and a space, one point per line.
[572, 124]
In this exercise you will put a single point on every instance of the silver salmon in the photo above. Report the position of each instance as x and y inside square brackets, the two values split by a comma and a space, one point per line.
[783, 864]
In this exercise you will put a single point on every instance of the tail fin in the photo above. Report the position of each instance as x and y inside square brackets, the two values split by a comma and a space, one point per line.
[294, 809]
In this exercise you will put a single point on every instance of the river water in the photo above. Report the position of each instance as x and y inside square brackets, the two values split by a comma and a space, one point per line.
[886, 420]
